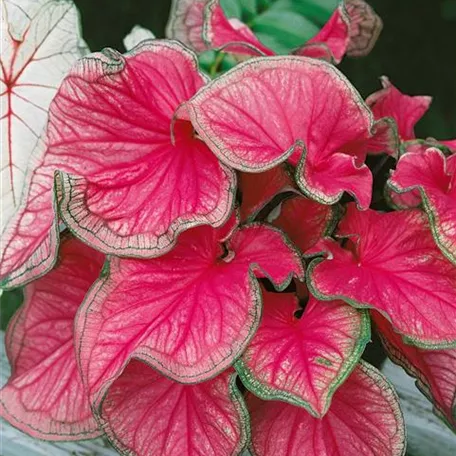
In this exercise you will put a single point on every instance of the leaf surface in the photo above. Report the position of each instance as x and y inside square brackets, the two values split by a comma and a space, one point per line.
[303, 361]
[364, 418]
[317, 120]
[390, 263]
[41, 39]
[171, 419]
[434, 370]
[44, 396]
[432, 175]
[190, 313]
[406, 110]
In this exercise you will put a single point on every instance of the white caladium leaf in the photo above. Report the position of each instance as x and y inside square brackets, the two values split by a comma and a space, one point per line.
[41, 39]
[137, 35]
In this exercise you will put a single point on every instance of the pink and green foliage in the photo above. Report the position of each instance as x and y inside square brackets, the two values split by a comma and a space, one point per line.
[390, 263]
[44, 396]
[214, 292]
[167, 418]
[434, 370]
[406, 110]
[325, 133]
[333, 39]
[433, 175]
[302, 360]
[352, 29]
[371, 425]
[111, 122]
[40, 41]
[193, 330]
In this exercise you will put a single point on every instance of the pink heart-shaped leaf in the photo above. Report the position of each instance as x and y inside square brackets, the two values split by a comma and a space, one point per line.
[433, 176]
[390, 263]
[189, 313]
[317, 120]
[364, 419]
[404, 109]
[128, 186]
[303, 361]
[145, 413]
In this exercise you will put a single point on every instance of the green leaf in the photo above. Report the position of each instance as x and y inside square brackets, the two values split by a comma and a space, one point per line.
[283, 30]
[318, 11]
[232, 8]
[10, 301]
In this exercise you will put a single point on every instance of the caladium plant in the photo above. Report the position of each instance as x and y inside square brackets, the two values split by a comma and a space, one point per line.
[213, 290]
[275, 26]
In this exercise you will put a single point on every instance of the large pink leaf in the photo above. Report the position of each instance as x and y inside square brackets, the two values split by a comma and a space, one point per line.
[365, 27]
[434, 370]
[305, 221]
[364, 419]
[335, 35]
[404, 109]
[144, 413]
[185, 23]
[40, 41]
[391, 263]
[259, 189]
[433, 176]
[136, 202]
[317, 120]
[44, 396]
[189, 313]
[130, 190]
[303, 360]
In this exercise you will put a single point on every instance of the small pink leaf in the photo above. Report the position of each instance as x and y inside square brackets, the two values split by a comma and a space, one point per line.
[144, 413]
[316, 51]
[391, 263]
[315, 116]
[335, 34]
[259, 189]
[303, 361]
[44, 396]
[404, 109]
[433, 175]
[364, 419]
[365, 28]
[305, 221]
[232, 35]
[435, 370]
[185, 23]
[40, 41]
[189, 313]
